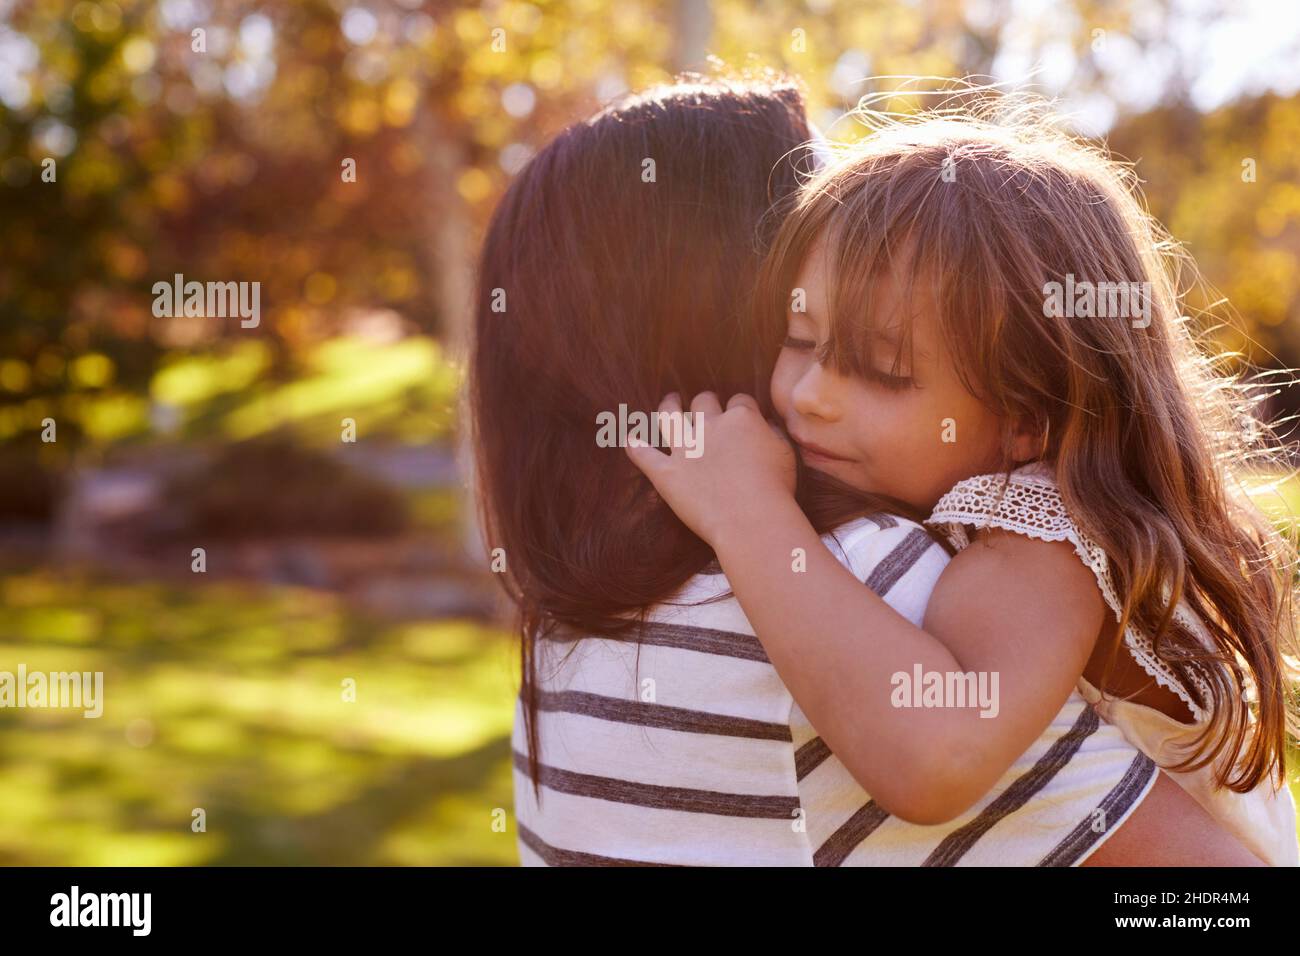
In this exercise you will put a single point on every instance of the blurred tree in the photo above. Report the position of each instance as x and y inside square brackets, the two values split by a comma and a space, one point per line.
[1227, 186]
[218, 140]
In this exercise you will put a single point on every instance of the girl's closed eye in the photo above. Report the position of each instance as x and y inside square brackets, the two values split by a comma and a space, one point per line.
[887, 379]
[893, 382]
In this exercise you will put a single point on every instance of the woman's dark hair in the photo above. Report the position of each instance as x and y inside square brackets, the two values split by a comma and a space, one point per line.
[619, 267]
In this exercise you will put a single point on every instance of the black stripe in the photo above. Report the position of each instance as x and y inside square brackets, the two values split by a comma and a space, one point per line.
[809, 757]
[554, 856]
[705, 640]
[956, 844]
[844, 840]
[899, 561]
[1113, 807]
[624, 711]
[662, 798]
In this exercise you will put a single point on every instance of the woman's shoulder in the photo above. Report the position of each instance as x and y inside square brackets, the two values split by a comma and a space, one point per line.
[878, 531]
[897, 558]
[868, 539]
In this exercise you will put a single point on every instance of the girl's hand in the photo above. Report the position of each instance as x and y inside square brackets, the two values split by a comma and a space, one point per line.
[739, 465]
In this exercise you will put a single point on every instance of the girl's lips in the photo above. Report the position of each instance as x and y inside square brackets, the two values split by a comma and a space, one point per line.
[817, 453]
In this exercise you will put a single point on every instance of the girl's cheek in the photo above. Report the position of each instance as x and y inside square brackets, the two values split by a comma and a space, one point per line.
[905, 435]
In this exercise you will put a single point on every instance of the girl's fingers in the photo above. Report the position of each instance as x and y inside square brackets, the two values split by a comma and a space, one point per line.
[672, 403]
[706, 402]
[650, 460]
[740, 398]
[671, 406]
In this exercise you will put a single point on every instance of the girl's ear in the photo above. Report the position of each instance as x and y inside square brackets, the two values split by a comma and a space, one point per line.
[1028, 439]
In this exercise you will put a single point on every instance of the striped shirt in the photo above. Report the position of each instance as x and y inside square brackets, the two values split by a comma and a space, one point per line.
[689, 750]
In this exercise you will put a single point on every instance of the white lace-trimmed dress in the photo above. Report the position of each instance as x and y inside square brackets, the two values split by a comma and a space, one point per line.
[1264, 820]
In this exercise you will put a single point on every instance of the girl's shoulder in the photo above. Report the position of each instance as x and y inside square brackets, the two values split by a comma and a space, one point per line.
[1027, 501]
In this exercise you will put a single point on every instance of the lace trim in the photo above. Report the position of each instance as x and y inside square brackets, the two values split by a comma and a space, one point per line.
[1030, 504]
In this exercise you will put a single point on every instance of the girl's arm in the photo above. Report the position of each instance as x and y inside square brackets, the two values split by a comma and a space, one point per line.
[1026, 611]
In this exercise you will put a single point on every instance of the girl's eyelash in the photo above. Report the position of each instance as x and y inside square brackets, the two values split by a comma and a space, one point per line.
[893, 382]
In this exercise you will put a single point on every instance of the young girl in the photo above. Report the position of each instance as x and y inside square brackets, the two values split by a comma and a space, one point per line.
[981, 323]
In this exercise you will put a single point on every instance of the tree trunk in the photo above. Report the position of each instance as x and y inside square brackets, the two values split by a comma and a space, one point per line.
[451, 263]
[692, 27]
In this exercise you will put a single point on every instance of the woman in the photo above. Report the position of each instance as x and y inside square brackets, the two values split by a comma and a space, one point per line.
[651, 729]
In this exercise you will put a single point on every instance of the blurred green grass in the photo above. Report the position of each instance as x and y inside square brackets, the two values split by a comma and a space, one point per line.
[404, 390]
[228, 697]
[1278, 496]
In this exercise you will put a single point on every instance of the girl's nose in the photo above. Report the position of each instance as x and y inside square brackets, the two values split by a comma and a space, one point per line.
[813, 395]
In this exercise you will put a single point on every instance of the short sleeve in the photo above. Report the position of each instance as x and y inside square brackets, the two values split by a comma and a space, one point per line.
[1028, 502]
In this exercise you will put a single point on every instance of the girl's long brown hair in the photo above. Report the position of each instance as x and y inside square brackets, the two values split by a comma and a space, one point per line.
[987, 201]
[618, 267]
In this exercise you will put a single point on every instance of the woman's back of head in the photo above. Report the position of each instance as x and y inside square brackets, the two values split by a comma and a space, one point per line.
[618, 267]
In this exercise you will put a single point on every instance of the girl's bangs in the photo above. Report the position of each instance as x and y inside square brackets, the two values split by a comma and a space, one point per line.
[860, 251]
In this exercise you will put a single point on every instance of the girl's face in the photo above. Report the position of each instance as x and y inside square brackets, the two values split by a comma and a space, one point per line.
[886, 433]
